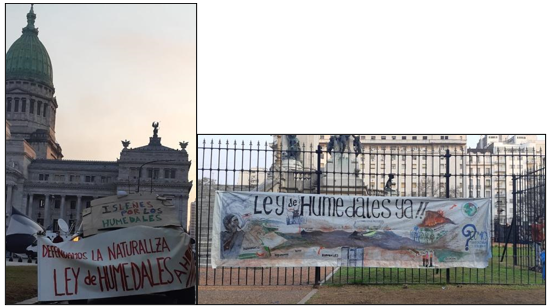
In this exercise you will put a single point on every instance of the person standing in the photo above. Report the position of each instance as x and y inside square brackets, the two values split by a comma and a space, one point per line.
[537, 232]
[58, 238]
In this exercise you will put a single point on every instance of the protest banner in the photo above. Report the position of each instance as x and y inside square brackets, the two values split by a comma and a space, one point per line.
[130, 261]
[115, 212]
[257, 229]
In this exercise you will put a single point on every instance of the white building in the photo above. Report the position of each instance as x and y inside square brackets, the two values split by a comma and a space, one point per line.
[494, 162]
[414, 159]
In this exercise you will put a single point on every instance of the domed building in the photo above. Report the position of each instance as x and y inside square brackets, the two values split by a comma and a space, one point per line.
[47, 187]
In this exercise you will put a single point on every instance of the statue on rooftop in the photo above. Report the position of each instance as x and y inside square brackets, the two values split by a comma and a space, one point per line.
[183, 145]
[293, 147]
[125, 143]
[155, 129]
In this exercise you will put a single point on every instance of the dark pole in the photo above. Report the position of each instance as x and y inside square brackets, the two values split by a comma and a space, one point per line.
[318, 172]
[447, 193]
[149, 162]
[514, 218]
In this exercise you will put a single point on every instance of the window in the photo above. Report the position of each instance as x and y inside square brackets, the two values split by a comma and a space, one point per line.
[393, 137]
[442, 137]
[424, 137]
[16, 106]
[88, 203]
[31, 109]
[383, 137]
[105, 179]
[8, 106]
[38, 107]
[414, 137]
[57, 203]
[404, 137]
[59, 178]
[153, 173]
[45, 107]
[24, 105]
[42, 203]
[372, 137]
[43, 177]
[90, 179]
[73, 178]
[363, 137]
[322, 136]
[73, 204]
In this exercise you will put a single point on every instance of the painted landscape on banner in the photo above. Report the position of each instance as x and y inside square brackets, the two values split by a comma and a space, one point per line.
[257, 229]
[131, 261]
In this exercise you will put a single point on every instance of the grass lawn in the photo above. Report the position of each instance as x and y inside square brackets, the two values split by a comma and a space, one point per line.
[496, 273]
[21, 283]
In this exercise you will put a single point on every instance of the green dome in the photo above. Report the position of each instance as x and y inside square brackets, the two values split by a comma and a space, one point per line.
[27, 58]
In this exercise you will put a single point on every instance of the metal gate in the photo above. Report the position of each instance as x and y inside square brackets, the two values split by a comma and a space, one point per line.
[440, 171]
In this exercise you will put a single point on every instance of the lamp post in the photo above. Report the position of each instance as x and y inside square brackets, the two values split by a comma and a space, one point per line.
[150, 162]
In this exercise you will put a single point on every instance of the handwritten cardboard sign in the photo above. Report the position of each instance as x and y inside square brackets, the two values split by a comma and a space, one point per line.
[259, 229]
[133, 210]
[130, 261]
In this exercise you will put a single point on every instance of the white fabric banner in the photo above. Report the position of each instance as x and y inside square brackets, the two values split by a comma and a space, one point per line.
[258, 229]
[130, 261]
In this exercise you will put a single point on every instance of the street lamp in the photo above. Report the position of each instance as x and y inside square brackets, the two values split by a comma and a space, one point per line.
[150, 162]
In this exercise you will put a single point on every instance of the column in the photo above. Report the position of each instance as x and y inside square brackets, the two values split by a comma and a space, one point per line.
[47, 221]
[78, 210]
[8, 200]
[62, 216]
[29, 206]
[24, 200]
[185, 210]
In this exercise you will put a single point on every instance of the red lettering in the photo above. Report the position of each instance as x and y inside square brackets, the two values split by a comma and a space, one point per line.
[76, 280]
[144, 274]
[168, 270]
[67, 281]
[55, 283]
[160, 271]
[103, 279]
[138, 283]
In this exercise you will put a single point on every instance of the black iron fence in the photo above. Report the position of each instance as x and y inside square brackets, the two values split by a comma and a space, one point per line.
[514, 178]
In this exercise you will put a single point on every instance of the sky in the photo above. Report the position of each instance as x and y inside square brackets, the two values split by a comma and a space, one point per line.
[116, 69]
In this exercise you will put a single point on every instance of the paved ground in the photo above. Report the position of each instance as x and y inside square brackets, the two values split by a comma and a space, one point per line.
[351, 294]
[434, 294]
[252, 294]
